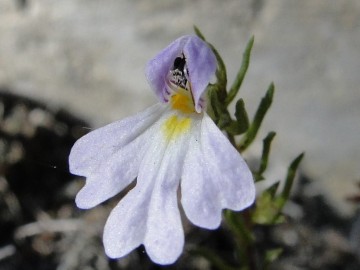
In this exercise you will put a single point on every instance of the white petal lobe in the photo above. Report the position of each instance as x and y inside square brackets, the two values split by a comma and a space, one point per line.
[164, 239]
[151, 210]
[110, 156]
[90, 151]
[214, 177]
[126, 226]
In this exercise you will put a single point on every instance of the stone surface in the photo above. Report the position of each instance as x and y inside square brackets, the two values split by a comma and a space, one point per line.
[89, 57]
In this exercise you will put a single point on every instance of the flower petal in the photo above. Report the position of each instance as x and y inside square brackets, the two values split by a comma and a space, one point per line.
[126, 226]
[157, 68]
[201, 63]
[114, 175]
[214, 177]
[149, 213]
[164, 239]
[110, 156]
[91, 150]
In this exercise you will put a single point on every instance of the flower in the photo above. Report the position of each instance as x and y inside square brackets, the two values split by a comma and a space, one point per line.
[172, 140]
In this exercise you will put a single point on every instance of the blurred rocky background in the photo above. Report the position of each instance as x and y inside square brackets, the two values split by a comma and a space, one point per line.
[70, 65]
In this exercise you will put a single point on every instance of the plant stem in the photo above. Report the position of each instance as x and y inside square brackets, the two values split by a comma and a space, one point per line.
[240, 225]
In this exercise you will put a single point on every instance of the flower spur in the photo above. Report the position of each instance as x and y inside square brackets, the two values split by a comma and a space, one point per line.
[172, 140]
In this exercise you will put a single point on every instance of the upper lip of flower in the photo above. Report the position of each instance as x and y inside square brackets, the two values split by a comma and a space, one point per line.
[200, 66]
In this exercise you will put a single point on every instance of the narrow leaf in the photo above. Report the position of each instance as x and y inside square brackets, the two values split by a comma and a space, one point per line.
[271, 255]
[214, 103]
[221, 69]
[267, 211]
[265, 155]
[220, 72]
[290, 177]
[273, 188]
[241, 73]
[258, 118]
[221, 115]
[241, 115]
[225, 122]
[237, 224]
[241, 124]
[198, 33]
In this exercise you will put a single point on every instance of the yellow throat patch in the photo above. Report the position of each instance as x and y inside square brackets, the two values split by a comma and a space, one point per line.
[175, 126]
[182, 101]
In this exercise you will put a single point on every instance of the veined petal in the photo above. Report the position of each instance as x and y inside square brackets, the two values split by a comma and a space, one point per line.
[149, 213]
[125, 228]
[110, 156]
[157, 68]
[164, 238]
[214, 177]
[91, 150]
[201, 63]
[115, 174]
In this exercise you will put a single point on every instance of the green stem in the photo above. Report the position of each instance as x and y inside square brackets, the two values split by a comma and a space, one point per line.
[239, 225]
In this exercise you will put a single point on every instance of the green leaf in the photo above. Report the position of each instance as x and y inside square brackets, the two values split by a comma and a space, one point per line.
[273, 188]
[214, 104]
[236, 223]
[271, 255]
[290, 177]
[220, 114]
[221, 75]
[241, 115]
[267, 210]
[258, 118]
[241, 73]
[217, 107]
[225, 122]
[265, 156]
[241, 124]
[268, 205]
[198, 33]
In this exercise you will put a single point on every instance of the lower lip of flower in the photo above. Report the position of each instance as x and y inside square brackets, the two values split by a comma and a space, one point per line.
[175, 126]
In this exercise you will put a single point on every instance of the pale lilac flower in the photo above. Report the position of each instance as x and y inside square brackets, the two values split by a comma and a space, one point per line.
[172, 140]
